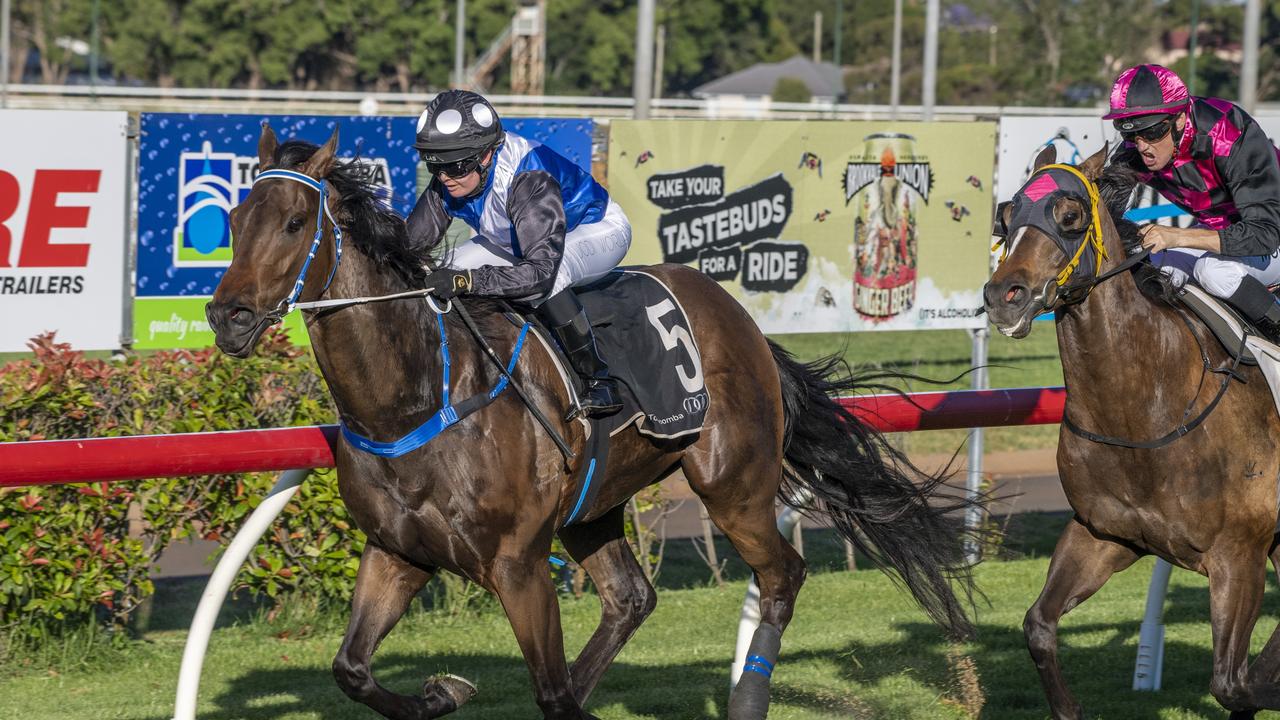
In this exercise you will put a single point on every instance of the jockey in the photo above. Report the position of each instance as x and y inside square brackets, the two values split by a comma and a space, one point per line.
[1208, 157]
[542, 226]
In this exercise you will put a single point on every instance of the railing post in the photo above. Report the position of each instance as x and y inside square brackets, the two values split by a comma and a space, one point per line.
[1150, 663]
[220, 583]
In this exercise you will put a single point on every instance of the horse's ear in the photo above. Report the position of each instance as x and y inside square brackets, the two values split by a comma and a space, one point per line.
[322, 161]
[266, 147]
[1047, 156]
[1092, 168]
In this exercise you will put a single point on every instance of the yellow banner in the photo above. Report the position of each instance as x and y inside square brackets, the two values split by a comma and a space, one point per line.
[816, 226]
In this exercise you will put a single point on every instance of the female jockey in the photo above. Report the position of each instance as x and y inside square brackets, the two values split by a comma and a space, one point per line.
[1210, 158]
[543, 225]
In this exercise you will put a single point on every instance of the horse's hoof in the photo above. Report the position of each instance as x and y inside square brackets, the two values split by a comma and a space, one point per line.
[448, 690]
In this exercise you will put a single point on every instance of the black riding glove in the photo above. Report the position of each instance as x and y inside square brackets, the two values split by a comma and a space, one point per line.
[447, 282]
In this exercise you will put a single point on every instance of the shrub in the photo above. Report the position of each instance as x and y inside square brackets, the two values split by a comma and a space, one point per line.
[69, 553]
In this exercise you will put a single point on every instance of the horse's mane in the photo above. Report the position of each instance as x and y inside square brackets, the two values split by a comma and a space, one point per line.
[371, 225]
[1115, 187]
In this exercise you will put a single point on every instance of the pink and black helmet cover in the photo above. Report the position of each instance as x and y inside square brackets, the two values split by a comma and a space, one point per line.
[1144, 95]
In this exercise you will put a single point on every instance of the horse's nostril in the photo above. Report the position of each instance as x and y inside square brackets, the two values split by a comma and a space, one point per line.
[241, 316]
[1015, 294]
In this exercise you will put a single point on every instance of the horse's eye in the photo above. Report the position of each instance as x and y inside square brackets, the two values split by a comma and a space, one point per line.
[295, 224]
[1070, 217]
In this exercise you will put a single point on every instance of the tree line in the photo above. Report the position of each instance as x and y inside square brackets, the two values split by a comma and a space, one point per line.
[1031, 52]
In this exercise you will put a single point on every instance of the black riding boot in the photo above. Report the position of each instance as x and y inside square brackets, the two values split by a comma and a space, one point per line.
[566, 318]
[1258, 305]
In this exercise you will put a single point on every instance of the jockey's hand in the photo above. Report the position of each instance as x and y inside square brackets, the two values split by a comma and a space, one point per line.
[446, 283]
[1158, 238]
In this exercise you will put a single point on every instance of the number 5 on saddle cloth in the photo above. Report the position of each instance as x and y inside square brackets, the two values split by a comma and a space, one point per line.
[645, 336]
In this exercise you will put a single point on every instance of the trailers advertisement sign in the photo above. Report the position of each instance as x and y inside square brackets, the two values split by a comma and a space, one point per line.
[62, 226]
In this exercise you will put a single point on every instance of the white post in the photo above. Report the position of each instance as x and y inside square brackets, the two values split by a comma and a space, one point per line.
[973, 483]
[788, 519]
[1249, 56]
[132, 129]
[4, 53]
[642, 86]
[220, 583]
[459, 43]
[930, 79]
[1150, 664]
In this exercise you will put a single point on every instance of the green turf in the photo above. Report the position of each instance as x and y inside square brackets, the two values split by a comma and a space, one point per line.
[856, 649]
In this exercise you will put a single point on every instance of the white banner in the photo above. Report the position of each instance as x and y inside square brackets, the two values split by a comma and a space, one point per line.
[1022, 139]
[62, 222]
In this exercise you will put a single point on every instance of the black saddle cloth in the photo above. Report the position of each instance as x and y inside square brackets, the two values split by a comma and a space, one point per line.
[642, 332]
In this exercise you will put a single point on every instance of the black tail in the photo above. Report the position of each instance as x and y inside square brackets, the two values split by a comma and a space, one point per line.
[899, 516]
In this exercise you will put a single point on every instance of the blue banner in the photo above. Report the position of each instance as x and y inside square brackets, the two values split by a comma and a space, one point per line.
[192, 169]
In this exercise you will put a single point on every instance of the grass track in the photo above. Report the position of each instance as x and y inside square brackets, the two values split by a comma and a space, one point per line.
[856, 649]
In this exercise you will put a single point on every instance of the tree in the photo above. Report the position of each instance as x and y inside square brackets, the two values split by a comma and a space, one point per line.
[56, 29]
[791, 90]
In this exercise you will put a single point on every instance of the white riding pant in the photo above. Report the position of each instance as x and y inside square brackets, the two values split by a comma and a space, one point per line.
[591, 250]
[1219, 275]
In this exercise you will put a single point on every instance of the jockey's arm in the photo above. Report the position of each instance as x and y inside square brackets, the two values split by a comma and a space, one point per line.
[428, 221]
[1252, 174]
[538, 226]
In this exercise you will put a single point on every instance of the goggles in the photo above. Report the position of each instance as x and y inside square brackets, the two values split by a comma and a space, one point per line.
[1152, 134]
[455, 169]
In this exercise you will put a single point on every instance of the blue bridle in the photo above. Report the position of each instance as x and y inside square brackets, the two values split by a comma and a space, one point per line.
[286, 306]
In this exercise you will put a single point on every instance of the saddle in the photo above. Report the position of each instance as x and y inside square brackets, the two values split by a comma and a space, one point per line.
[1236, 335]
[645, 337]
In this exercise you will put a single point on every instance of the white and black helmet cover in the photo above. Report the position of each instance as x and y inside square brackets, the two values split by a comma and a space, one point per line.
[456, 125]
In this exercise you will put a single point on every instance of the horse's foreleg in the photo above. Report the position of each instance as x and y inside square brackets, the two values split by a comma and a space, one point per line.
[1264, 672]
[626, 597]
[385, 585]
[1237, 577]
[1082, 563]
[524, 587]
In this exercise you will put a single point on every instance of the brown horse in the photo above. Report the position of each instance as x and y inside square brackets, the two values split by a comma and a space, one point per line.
[1148, 461]
[485, 499]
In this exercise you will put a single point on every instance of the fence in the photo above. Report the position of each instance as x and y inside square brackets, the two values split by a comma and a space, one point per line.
[298, 450]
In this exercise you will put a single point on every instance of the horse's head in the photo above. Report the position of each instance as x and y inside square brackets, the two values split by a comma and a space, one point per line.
[277, 251]
[1052, 233]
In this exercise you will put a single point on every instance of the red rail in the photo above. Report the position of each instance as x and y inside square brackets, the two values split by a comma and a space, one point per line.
[52, 462]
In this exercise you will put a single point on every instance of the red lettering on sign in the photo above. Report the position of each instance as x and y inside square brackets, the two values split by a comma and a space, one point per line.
[44, 214]
[10, 193]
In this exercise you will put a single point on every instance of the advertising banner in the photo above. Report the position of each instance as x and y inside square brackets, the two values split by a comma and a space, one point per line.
[62, 225]
[816, 226]
[194, 168]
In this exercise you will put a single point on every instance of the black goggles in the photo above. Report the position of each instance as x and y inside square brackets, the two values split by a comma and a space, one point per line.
[455, 169]
[1155, 133]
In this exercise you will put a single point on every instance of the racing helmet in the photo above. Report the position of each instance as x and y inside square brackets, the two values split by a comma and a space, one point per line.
[1146, 95]
[457, 125]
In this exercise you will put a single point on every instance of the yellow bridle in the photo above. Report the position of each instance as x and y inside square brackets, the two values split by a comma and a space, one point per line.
[1093, 235]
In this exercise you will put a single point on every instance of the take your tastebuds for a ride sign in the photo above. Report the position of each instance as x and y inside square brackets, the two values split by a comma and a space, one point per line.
[816, 226]
[192, 169]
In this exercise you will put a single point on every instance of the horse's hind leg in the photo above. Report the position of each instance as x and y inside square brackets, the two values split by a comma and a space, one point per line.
[1082, 562]
[626, 597]
[1263, 677]
[738, 490]
[385, 584]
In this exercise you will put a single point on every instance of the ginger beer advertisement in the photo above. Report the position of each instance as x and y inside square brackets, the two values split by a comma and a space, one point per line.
[816, 226]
